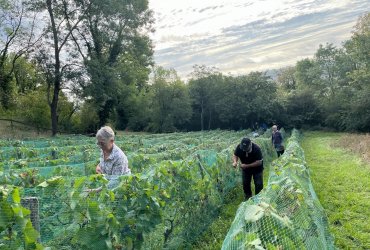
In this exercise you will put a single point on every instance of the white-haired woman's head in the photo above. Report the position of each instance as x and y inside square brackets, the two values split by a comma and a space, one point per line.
[105, 137]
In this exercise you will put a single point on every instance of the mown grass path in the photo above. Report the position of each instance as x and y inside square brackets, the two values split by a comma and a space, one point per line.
[215, 235]
[342, 183]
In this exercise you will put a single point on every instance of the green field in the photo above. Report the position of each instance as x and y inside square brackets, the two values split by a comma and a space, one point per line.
[342, 184]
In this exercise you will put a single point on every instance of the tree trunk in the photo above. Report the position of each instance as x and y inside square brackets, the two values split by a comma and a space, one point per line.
[5, 90]
[104, 112]
[202, 116]
[57, 79]
[209, 119]
[54, 113]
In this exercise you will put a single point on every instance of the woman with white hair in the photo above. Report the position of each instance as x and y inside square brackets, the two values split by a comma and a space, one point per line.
[113, 162]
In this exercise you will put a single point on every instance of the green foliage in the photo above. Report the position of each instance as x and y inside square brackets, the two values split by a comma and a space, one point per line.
[331, 87]
[233, 102]
[7, 87]
[203, 92]
[306, 74]
[30, 104]
[16, 231]
[118, 54]
[66, 110]
[86, 118]
[139, 115]
[286, 78]
[26, 75]
[302, 109]
[358, 46]
[357, 118]
[33, 108]
[170, 104]
[110, 78]
[214, 236]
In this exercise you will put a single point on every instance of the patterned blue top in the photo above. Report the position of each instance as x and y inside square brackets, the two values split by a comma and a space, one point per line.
[114, 166]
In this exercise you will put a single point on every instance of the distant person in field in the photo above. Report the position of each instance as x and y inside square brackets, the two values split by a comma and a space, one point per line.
[113, 162]
[250, 156]
[277, 141]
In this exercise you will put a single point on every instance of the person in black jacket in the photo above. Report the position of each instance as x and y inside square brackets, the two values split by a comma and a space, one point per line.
[277, 141]
[250, 155]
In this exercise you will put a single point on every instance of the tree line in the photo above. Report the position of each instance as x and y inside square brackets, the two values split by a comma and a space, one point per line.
[75, 65]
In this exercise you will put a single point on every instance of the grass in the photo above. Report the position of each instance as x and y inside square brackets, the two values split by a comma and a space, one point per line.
[18, 131]
[341, 180]
[356, 143]
[213, 238]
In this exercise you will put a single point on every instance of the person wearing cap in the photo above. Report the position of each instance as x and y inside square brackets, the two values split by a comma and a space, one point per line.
[113, 162]
[250, 156]
[277, 141]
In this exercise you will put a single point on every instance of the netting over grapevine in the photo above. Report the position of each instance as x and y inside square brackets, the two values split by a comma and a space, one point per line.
[286, 214]
[178, 185]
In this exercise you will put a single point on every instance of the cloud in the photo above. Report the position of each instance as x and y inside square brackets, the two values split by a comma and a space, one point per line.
[208, 8]
[265, 38]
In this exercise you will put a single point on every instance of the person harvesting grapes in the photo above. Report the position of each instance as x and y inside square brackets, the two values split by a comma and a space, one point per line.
[250, 156]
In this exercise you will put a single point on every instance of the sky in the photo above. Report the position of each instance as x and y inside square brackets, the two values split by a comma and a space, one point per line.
[240, 36]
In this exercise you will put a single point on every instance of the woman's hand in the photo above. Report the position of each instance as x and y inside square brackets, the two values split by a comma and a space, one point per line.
[98, 169]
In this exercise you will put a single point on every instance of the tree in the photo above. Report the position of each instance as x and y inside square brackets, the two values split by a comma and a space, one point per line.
[17, 39]
[139, 115]
[307, 74]
[333, 93]
[229, 103]
[240, 102]
[286, 78]
[57, 56]
[33, 108]
[171, 107]
[302, 109]
[358, 117]
[327, 60]
[26, 76]
[358, 48]
[202, 91]
[85, 118]
[259, 93]
[118, 52]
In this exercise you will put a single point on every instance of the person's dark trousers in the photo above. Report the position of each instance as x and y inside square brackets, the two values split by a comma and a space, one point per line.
[258, 183]
[280, 153]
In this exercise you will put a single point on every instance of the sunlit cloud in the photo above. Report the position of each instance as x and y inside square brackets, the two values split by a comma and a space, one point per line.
[242, 36]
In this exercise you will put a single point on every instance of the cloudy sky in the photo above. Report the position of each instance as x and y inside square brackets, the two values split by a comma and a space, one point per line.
[239, 36]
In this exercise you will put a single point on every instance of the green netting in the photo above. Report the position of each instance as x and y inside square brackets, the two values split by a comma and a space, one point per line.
[286, 214]
[177, 188]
